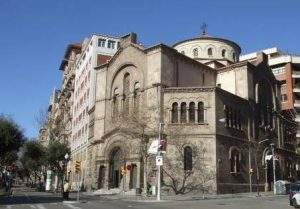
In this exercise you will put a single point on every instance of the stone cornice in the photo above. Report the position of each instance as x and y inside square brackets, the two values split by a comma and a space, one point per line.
[189, 89]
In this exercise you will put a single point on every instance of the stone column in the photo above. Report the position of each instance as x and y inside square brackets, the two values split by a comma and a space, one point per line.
[138, 178]
[196, 115]
[266, 178]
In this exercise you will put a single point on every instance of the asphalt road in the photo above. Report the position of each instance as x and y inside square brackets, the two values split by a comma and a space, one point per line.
[24, 199]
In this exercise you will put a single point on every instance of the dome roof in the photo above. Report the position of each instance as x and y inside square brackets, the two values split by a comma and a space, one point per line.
[207, 37]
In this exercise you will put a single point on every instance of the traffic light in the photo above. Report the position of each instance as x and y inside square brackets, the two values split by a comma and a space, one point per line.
[162, 145]
[77, 166]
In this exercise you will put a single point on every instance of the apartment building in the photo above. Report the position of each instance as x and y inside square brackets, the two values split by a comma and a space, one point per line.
[96, 50]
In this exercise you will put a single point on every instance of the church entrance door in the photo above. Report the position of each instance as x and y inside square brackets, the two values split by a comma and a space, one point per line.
[115, 164]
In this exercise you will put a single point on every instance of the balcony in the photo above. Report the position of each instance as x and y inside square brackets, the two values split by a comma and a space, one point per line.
[297, 103]
[296, 74]
[296, 88]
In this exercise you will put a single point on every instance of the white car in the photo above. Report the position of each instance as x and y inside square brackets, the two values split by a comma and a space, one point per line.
[295, 200]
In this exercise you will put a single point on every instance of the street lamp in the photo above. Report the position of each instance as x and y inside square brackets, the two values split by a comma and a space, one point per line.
[67, 156]
[65, 162]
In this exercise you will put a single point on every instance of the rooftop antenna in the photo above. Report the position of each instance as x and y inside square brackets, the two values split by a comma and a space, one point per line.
[204, 29]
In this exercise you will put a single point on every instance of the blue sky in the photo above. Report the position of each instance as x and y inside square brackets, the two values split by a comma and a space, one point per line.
[34, 34]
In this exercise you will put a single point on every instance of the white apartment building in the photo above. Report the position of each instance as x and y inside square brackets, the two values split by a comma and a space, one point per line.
[96, 50]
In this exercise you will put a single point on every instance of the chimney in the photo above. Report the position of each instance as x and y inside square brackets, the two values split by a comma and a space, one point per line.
[262, 58]
[127, 39]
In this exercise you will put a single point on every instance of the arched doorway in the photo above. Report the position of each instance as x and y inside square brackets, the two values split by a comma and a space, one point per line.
[116, 161]
[269, 174]
[101, 176]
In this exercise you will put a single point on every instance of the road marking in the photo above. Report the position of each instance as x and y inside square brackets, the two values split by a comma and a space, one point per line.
[32, 206]
[71, 206]
[8, 207]
[39, 206]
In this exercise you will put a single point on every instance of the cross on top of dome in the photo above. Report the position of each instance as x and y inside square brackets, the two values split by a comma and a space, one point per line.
[204, 29]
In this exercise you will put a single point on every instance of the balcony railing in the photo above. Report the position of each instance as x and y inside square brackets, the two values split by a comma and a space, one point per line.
[296, 74]
[296, 88]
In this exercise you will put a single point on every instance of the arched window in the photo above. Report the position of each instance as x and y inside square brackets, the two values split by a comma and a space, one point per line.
[230, 114]
[115, 102]
[234, 118]
[183, 112]
[223, 52]
[209, 52]
[200, 112]
[137, 95]
[226, 110]
[188, 158]
[126, 91]
[239, 120]
[233, 56]
[192, 112]
[195, 52]
[235, 159]
[174, 117]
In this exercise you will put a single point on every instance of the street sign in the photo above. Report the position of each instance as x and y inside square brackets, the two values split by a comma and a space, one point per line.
[153, 147]
[159, 160]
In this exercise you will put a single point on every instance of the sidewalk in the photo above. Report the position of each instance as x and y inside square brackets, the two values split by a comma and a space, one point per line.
[140, 198]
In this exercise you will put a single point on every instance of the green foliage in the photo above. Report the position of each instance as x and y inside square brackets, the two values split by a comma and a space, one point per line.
[11, 139]
[33, 157]
[55, 155]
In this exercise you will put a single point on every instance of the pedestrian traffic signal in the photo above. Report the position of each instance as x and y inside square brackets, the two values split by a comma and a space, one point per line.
[77, 166]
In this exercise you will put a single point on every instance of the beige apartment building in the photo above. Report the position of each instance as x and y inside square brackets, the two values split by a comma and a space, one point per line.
[95, 50]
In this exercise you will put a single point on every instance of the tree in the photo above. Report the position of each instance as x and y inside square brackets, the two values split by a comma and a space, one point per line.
[185, 168]
[33, 158]
[11, 139]
[55, 158]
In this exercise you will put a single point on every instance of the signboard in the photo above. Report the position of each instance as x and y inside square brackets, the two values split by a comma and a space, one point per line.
[153, 147]
[159, 160]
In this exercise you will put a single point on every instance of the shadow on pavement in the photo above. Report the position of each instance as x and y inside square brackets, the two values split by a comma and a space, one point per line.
[30, 199]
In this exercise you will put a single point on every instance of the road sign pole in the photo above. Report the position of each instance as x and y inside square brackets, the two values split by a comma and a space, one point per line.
[158, 164]
[78, 187]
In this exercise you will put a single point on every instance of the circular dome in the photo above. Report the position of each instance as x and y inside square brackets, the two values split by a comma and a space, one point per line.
[207, 48]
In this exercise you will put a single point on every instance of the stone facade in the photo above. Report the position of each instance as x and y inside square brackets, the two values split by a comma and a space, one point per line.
[220, 117]
[235, 107]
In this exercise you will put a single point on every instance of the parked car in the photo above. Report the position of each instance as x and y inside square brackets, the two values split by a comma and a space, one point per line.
[294, 194]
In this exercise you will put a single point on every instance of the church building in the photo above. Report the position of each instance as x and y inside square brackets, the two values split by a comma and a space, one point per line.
[222, 120]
